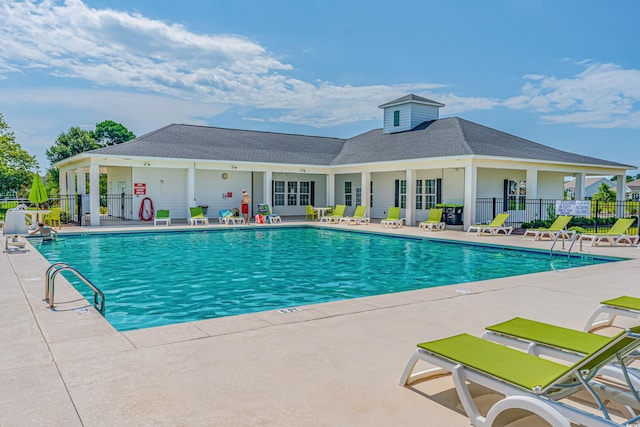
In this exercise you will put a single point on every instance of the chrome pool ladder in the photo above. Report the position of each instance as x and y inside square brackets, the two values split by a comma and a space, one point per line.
[574, 238]
[57, 268]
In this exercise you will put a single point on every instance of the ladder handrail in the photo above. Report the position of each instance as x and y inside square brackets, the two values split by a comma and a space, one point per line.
[58, 268]
[573, 239]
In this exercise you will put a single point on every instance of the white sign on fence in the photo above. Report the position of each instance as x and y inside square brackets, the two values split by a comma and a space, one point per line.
[573, 207]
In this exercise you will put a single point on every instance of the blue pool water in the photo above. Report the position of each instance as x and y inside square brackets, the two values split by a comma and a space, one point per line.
[152, 279]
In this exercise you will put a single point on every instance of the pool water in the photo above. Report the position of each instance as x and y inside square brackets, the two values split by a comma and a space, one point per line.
[153, 279]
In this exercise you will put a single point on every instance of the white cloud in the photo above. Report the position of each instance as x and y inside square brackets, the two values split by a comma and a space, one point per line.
[601, 96]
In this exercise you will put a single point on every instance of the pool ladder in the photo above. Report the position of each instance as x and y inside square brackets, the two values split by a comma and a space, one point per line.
[574, 238]
[59, 267]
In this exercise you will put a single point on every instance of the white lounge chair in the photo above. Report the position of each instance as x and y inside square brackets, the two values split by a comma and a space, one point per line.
[162, 216]
[357, 218]
[434, 221]
[614, 236]
[393, 219]
[196, 216]
[494, 227]
[15, 228]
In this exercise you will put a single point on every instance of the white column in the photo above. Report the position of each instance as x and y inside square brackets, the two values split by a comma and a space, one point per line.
[94, 194]
[191, 187]
[81, 176]
[62, 183]
[365, 187]
[621, 183]
[470, 190]
[579, 186]
[268, 178]
[410, 211]
[71, 191]
[331, 189]
[532, 184]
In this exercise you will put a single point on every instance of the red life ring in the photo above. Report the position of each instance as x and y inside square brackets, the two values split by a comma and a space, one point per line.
[146, 212]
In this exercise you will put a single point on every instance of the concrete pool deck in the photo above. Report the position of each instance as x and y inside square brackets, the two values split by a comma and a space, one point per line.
[329, 364]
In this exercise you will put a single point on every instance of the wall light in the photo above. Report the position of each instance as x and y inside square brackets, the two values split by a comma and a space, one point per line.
[147, 164]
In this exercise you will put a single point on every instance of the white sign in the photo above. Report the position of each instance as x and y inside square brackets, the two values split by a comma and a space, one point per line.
[573, 207]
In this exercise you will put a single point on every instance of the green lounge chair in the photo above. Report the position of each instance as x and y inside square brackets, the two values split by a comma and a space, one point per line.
[494, 227]
[615, 235]
[570, 345]
[393, 219]
[357, 218]
[311, 214]
[197, 216]
[162, 215]
[434, 221]
[335, 216]
[624, 306]
[528, 382]
[265, 211]
[557, 228]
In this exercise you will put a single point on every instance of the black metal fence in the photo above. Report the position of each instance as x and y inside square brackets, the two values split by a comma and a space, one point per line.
[113, 207]
[594, 215]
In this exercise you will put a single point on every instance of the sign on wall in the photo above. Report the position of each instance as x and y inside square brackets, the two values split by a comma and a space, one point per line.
[573, 207]
[140, 189]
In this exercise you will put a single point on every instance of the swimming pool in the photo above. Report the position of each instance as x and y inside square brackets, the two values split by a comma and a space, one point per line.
[160, 278]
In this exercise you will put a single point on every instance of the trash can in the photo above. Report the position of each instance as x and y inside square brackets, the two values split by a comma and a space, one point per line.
[451, 213]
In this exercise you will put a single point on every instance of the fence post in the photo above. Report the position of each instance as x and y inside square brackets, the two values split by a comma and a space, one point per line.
[597, 214]
[495, 206]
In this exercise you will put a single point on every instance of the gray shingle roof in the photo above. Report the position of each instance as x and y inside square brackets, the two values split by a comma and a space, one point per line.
[437, 138]
[211, 143]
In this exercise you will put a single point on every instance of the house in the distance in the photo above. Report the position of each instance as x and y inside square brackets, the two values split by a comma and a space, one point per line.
[591, 186]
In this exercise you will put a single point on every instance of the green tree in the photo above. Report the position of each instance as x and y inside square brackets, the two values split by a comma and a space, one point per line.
[605, 194]
[15, 163]
[75, 141]
[109, 132]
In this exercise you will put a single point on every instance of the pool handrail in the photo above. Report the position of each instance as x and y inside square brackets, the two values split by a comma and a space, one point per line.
[58, 267]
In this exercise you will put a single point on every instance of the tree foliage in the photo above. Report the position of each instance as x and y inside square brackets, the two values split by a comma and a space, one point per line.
[68, 144]
[16, 164]
[109, 132]
[605, 194]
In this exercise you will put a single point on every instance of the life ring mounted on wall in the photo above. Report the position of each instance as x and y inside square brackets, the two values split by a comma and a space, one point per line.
[146, 210]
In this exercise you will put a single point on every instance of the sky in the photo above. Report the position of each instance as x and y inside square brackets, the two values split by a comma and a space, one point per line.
[561, 73]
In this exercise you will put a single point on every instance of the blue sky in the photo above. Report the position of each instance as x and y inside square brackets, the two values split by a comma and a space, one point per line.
[562, 73]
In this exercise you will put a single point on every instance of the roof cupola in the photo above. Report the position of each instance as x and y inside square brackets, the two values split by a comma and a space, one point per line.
[408, 112]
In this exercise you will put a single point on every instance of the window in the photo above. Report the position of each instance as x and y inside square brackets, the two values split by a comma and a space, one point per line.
[430, 193]
[515, 194]
[419, 194]
[292, 193]
[305, 193]
[278, 193]
[358, 196]
[396, 118]
[347, 193]
[371, 194]
[403, 193]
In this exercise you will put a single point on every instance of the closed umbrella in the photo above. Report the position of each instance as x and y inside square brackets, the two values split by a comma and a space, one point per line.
[38, 194]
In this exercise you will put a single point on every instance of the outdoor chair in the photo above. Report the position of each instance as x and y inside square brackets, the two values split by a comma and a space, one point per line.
[265, 211]
[527, 382]
[615, 235]
[494, 227]
[433, 222]
[196, 216]
[15, 228]
[162, 216]
[555, 229]
[357, 218]
[393, 219]
[335, 216]
[310, 213]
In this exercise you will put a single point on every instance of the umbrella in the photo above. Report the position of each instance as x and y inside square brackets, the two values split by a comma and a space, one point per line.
[38, 194]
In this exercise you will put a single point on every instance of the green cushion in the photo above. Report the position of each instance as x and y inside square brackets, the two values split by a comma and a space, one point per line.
[626, 302]
[551, 335]
[512, 366]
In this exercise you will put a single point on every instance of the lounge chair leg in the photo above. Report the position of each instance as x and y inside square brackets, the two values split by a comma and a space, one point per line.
[470, 408]
[535, 406]
[407, 379]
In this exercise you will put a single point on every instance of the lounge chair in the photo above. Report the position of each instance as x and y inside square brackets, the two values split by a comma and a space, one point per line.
[570, 345]
[393, 219]
[494, 227]
[357, 218]
[557, 228]
[310, 213]
[528, 382]
[162, 215]
[335, 216]
[624, 306]
[434, 221]
[15, 228]
[53, 217]
[266, 213]
[615, 235]
[196, 216]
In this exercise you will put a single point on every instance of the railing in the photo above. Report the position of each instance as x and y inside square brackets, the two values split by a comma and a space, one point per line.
[113, 207]
[535, 213]
[59, 267]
